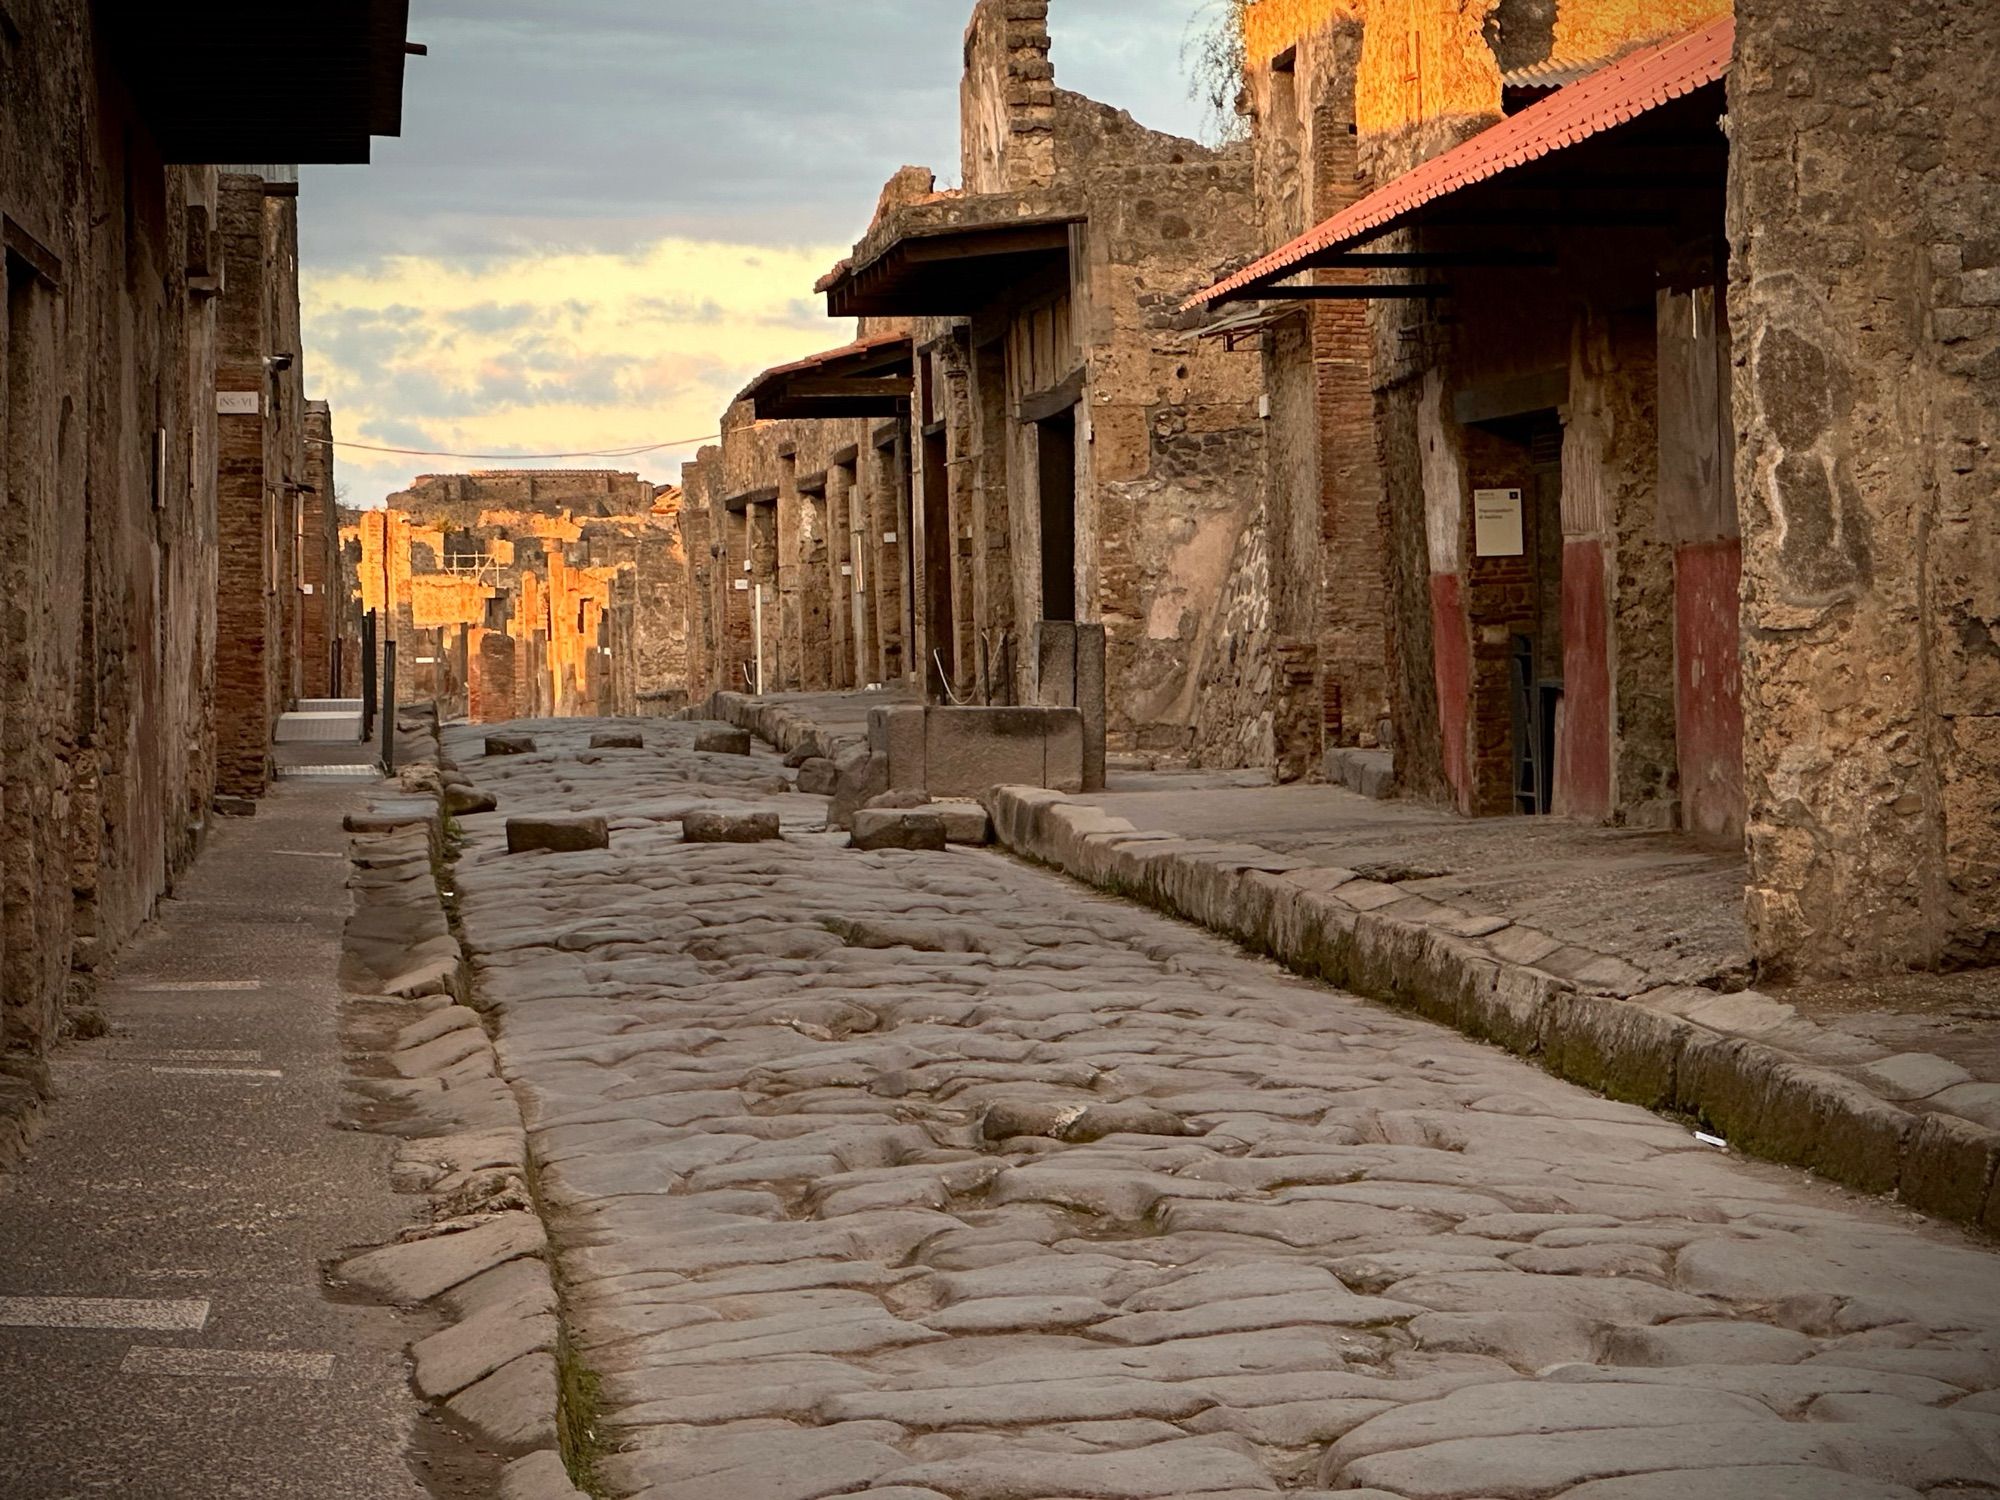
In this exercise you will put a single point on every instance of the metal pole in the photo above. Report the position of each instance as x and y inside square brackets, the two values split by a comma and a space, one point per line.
[757, 638]
[368, 679]
[389, 708]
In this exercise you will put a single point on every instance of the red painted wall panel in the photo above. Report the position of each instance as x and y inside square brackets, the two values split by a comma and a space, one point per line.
[1583, 748]
[1708, 687]
[1452, 654]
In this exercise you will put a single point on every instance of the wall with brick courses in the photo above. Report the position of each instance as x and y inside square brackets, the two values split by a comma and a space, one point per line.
[1864, 304]
[107, 556]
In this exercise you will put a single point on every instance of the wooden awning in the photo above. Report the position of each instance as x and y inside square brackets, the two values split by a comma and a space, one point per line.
[948, 267]
[1634, 143]
[871, 377]
[247, 81]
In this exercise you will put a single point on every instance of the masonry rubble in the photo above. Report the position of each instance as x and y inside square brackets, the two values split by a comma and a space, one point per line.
[530, 593]
[165, 508]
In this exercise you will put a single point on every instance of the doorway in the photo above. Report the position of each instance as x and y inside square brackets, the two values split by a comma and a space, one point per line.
[1056, 453]
[1536, 664]
[940, 615]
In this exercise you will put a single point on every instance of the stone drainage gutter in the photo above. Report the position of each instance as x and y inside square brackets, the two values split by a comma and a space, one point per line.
[479, 1256]
[1666, 1049]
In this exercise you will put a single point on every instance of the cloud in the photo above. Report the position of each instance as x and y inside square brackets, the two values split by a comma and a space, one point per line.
[604, 216]
[419, 352]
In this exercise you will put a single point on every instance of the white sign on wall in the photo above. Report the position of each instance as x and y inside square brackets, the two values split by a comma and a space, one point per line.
[238, 403]
[889, 538]
[1496, 523]
[742, 585]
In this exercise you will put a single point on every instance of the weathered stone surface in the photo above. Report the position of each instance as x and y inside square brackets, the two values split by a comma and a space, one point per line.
[721, 740]
[449, 1361]
[539, 1476]
[889, 828]
[730, 828]
[462, 800]
[513, 1410]
[510, 744]
[1001, 1188]
[619, 739]
[819, 777]
[964, 822]
[418, 1271]
[570, 834]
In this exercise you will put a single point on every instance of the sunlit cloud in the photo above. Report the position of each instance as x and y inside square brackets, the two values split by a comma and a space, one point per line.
[553, 353]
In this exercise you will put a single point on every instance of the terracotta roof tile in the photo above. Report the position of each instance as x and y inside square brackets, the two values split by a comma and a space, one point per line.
[1644, 80]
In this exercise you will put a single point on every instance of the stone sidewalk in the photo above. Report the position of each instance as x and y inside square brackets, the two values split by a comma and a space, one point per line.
[926, 1176]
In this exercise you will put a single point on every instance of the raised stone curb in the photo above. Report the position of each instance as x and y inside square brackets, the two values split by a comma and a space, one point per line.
[480, 1256]
[1585, 1017]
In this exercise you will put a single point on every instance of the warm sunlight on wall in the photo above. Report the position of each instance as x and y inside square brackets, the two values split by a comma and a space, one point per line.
[1605, 27]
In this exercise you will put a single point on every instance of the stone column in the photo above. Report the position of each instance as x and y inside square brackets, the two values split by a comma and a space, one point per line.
[1864, 306]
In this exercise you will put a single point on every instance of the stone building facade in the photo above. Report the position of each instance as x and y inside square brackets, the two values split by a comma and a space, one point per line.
[121, 249]
[1065, 451]
[529, 593]
[1655, 544]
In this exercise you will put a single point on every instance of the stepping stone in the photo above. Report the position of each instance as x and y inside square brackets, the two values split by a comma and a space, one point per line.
[729, 828]
[234, 807]
[723, 741]
[462, 801]
[819, 777]
[510, 744]
[557, 835]
[618, 740]
[896, 828]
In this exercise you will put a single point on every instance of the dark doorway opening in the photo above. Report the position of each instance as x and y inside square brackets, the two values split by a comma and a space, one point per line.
[1057, 449]
[1538, 653]
[940, 616]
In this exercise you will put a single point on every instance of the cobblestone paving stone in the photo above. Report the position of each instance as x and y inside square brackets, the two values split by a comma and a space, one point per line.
[923, 1175]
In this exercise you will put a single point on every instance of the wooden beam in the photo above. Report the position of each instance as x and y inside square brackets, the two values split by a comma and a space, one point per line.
[1363, 293]
[820, 386]
[1052, 402]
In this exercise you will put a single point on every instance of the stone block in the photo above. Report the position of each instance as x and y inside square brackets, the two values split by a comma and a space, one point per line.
[972, 750]
[1949, 1167]
[819, 777]
[863, 774]
[729, 828]
[897, 828]
[898, 733]
[619, 739]
[234, 807]
[1066, 752]
[722, 740]
[1090, 702]
[463, 800]
[539, 1476]
[566, 834]
[510, 744]
[964, 822]
[1055, 664]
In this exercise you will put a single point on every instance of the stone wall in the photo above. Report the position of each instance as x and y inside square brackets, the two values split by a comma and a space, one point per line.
[261, 473]
[582, 571]
[107, 555]
[1864, 307]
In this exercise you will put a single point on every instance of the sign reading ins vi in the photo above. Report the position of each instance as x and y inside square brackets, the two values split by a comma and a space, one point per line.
[1496, 523]
[238, 403]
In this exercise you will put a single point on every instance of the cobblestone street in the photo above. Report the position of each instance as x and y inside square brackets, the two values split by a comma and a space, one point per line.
[930, 1175]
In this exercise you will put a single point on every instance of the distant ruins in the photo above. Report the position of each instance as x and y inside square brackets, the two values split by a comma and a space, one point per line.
[529, 593]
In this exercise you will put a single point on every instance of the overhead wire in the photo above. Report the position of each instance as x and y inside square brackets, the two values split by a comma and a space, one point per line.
[687, 442]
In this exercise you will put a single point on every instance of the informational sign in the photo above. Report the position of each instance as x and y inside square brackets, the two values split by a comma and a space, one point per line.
[1496, 523]
[847, 570]
[238, 403]
[888, 538]
[742, 585]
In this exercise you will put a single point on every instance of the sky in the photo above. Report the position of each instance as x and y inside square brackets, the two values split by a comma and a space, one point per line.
[603, 217]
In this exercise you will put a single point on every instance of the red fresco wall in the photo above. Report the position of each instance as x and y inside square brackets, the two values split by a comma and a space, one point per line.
[1583, 749]
[1708, 671]
[1453, 657]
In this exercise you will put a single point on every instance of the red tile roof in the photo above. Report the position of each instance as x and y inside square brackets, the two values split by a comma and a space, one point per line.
[1645, 80]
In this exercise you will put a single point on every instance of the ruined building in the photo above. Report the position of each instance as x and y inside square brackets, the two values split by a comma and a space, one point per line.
[151, 445]
[1025, 483]
[1670, 534]
[529, 593]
